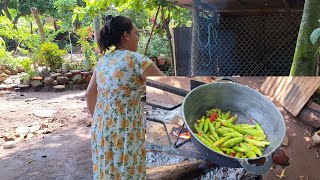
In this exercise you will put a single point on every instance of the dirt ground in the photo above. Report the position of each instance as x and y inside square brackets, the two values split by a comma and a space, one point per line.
[304, 161]
[62, 154]
[65, 152]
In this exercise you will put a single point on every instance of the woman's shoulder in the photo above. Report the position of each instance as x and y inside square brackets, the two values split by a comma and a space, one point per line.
[138, 56]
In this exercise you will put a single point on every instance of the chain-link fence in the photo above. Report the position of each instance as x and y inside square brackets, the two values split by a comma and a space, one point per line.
[244, 45]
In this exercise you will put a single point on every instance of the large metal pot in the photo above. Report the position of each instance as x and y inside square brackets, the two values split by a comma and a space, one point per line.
[249, 105]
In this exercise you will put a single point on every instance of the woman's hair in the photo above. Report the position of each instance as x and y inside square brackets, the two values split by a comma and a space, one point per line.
[112, 31]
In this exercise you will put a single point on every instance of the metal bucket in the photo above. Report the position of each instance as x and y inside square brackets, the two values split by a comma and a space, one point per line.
[249, 105]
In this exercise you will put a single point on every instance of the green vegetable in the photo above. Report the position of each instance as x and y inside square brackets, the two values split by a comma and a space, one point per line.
[239, 154]
[228, 150]
[206, 125]
[217, 149]
[233, 134]
[203, 140]
[258, 127]
[254, 148]
[212, 131]
[223, 136]
[213, 138]
[252, 132]
[197, 128]
[238, 149]
[232, 142]
[221, 141]
[206, 137]
[256, 142]
[227, 115]
[248, 152]
[232, 119]
[217, 124]
[201, 126]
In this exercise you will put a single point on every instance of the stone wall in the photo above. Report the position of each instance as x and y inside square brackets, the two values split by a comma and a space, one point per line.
[56, 81]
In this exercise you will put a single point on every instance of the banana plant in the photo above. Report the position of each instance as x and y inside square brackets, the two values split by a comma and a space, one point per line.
[315, 38]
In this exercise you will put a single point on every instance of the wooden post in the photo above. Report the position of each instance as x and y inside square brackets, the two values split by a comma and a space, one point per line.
[194, 43]
[154, 23]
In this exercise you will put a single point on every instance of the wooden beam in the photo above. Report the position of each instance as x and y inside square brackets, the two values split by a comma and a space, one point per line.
[256, 11]
[183, 170]
[241, 9]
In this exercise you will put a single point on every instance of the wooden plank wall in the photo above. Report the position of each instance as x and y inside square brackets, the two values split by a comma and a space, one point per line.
[291, 92]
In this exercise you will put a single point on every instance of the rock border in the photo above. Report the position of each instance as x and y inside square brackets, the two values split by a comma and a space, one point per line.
[55, 81]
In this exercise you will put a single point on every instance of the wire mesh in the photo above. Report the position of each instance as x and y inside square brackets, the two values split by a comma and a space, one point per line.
[261, 45]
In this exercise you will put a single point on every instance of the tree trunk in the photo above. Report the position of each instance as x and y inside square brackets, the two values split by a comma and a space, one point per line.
[96, 28]
[155, 21]
[304, 60]
[35, 13]
[5, 9]
[55, 25]
[166, 22]
[31, 30]
[15, 20]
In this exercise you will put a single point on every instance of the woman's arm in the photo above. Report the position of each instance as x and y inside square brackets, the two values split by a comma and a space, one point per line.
[91, 94]
[152, 70]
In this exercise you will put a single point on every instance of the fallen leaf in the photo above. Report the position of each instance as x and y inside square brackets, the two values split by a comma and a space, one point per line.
[29, 162]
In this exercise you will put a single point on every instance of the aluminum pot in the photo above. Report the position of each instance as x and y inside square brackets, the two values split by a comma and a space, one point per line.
[249, 105]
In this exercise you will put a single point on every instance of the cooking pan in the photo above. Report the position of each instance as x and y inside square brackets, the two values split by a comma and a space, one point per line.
[250, 107]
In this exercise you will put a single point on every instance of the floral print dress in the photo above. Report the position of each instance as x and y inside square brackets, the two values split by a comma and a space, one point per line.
[118, 133]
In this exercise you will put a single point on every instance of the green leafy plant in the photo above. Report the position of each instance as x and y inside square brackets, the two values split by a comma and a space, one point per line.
[65, 11]
[158, 45]
[315, 37]
[75, 65]
[26, 64]
[6, 57]
[28, 75]
[51, 56]
[87, 46]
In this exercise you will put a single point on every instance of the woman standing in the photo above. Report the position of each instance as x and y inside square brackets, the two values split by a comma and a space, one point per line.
[113, 99]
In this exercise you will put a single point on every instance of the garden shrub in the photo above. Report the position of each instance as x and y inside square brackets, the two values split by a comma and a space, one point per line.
[26, 64]
[51, 56]
[6, 57]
